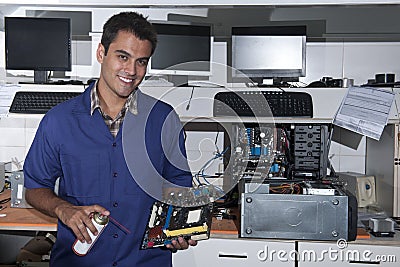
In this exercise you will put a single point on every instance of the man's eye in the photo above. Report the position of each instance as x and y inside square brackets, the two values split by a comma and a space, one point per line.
[143, 62]
[123, 57]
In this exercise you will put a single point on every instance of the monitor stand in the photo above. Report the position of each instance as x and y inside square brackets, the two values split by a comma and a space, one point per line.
[40, 76]
[179, 80]
[275, 82]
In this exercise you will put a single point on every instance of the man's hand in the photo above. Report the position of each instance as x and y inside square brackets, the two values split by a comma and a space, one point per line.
[75, 217]
[78, 218]
[181, 244]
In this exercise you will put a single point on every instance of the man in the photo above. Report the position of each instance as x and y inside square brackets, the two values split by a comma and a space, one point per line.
[74, 144]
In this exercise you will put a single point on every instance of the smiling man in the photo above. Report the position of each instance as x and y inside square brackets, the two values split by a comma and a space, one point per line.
[80, 142]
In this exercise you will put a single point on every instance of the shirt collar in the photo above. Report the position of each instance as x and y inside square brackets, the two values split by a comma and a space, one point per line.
[130, 104]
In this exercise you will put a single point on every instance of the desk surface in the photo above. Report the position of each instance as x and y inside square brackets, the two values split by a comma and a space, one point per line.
[24, 219]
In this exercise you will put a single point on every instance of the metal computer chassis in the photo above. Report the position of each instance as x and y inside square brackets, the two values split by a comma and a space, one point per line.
[288, 216]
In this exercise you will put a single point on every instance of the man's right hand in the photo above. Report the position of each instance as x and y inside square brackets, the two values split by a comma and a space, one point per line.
[78, 218]
[75, 217]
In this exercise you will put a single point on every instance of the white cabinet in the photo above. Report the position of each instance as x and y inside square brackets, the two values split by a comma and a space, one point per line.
[382, 161]
[355, 255]
[251, 252]
[236, 253]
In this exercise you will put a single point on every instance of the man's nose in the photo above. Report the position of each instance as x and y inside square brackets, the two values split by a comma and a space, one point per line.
[130, 68]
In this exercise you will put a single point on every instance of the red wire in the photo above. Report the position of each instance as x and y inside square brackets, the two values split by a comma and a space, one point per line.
[123, 228]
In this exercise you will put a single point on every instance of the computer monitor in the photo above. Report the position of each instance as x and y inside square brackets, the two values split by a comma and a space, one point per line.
[39, 44]
[268, 52]
[183, 49]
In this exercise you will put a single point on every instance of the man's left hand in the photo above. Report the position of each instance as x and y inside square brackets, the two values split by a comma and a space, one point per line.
[181, 244]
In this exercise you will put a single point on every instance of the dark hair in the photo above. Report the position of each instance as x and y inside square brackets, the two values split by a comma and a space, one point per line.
[131, 22]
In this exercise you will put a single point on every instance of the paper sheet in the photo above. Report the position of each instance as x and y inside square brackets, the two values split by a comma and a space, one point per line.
[7, 93]
[365, 110]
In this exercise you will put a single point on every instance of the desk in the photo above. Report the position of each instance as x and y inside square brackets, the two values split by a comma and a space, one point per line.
[25, 219]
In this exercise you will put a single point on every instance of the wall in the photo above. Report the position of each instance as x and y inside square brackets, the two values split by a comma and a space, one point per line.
[356, 60]
[14, 138]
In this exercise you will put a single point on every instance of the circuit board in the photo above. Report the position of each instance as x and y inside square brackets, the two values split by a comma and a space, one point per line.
[168, 222]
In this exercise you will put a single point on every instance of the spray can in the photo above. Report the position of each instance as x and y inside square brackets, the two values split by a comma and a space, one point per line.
[100, 222]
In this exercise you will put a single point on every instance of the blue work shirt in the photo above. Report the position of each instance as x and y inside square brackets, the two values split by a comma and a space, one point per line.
[79, 149]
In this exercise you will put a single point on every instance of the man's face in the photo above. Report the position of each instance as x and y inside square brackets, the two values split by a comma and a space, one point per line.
[124, 66]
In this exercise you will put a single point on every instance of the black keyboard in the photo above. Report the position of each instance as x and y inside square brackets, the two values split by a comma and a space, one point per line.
[252, 103]
[38, 102]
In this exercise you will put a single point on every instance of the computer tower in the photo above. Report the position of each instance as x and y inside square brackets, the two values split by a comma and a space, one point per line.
[305, 217]
[294, 198]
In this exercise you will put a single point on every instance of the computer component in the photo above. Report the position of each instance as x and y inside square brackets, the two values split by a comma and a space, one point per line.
[18, 190]
[310, 151]
[318, 189]
[293, 198]
[290, 151]
[32, 102]
[268, 52]
[366, 191]
[257, 188]
[382, 227]
[360, 185]
[168, 222]
[183, 212]
[49, 46]
[299, 216]
[194, 43]
[252, 151]
[253, 103]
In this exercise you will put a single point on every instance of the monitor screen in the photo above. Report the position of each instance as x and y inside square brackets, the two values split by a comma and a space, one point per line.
[268, 52]
[182, 49]
[39, 44]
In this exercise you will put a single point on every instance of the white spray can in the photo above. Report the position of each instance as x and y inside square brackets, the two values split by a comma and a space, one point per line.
[100, 222]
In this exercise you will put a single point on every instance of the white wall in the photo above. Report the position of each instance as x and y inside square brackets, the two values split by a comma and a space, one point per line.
[356, 60]
[16, 135]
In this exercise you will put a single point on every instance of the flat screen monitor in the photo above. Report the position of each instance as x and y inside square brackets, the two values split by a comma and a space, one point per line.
[182, 49]
[39, 44]
[269, 52]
